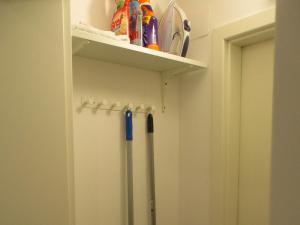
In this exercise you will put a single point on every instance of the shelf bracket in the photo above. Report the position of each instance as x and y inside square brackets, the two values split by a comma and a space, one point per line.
[179, 71]
[164, 85]
[166, 76]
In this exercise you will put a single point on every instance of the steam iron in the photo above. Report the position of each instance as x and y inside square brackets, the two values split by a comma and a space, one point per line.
[174, 31]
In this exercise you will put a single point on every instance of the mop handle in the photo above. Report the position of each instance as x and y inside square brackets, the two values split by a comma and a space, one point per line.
[129, 138]
[150, 131]
[150, 126]
[128, 119]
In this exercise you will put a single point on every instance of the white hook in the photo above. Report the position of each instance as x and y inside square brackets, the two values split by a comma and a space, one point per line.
[151, 109]
[92, 101]
[102, 103]
[116, 105]
[85, 103]
[140, 107]
[129, 106]
[89, 101]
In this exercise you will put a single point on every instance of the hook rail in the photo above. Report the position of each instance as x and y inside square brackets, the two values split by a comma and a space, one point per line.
[115, 106]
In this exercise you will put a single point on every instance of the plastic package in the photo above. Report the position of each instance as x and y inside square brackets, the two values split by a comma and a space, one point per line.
[83, 27]
[120, 21]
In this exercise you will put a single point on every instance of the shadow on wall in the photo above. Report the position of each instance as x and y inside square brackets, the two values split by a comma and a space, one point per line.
[101, 13]
[122, 171]
[158, 8]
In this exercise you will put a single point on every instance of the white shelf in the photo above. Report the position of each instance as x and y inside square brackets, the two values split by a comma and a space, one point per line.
[104, 49]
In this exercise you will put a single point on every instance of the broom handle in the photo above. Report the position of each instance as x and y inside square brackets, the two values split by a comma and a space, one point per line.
[129, 138]
[150, 131]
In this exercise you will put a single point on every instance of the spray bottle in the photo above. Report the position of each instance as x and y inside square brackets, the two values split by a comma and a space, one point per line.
[150, 26]
[136, 23]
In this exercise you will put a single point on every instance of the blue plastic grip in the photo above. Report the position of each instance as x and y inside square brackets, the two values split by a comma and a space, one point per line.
[128, 120]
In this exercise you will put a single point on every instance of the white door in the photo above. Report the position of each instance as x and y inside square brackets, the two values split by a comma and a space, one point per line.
[256, 125]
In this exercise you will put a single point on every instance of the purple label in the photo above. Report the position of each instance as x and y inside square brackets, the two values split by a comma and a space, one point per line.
[150, 36]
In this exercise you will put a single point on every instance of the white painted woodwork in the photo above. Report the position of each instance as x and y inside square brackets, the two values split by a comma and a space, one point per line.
[285, 196]
[35, 136]
[255, 137]
[226, 75]
[104, 49]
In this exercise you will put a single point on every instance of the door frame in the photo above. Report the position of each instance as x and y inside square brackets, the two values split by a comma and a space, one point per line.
[227, 44]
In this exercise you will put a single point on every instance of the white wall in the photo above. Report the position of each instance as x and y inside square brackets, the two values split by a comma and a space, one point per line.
[223, 12]
[99, 137]
[286, 123]
[34, 186]
[99, 145]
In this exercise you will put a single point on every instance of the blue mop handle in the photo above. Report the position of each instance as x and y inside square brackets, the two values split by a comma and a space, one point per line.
[128, 119]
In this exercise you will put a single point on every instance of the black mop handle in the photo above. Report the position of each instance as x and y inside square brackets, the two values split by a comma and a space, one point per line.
[150, 126]
[150, 131]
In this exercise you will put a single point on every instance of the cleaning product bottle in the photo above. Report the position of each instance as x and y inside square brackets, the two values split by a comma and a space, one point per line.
[150, 26]
[119, 3]
[120, 21]
[136, 23]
